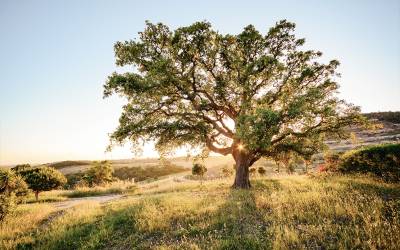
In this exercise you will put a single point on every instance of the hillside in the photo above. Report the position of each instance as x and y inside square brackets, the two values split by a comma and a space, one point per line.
[294, 212]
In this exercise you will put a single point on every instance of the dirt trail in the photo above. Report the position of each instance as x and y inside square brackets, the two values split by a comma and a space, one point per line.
[63, 205]
[75, 201]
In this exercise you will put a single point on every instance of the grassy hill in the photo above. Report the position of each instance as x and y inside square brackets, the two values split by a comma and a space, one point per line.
[289, 212]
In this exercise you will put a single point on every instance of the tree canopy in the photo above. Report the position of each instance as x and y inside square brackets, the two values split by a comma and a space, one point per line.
[43, 179]
[251, 95]
[13, 190]
[100, 173]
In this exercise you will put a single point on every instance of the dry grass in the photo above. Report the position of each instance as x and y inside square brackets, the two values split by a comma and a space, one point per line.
[18, 229]
[117, 187]
[293, 212]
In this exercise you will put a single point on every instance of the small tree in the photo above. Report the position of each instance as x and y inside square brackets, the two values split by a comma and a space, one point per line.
[43, 179]
[13, 190]
[227, 171]
[261, 170]
[199, 170]
[100, 173]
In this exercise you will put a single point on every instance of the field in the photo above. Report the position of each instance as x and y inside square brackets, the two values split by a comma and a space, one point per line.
[286, 212]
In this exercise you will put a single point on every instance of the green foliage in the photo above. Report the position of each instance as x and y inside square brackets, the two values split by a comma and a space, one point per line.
[74, 180]
[21, 167]
[13, 191]
[261, 170]
[43, 179]
[286, 158]
[389, 116]
[100, 173]
[199, 169]
[263, 123]
[196, 87]
[382, 161]
[190, 82]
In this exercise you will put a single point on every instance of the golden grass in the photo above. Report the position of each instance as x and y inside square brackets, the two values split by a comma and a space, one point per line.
[18, 229]
[117, 187]
[292, 212]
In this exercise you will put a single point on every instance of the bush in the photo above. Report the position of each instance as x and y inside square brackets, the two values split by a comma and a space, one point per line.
[252, 171]
[389, 116]
[21, 167]
[74, 180]
[43, 179]
[382, 161]
[227, 171]
[261, 170]
[13, 191]
[101, 173]
[199, 170]
[332, 161]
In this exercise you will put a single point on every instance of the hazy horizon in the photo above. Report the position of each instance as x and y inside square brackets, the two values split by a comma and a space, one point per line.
[57, 55]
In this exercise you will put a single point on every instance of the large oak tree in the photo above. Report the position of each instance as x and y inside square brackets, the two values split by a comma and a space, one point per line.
[249, 95]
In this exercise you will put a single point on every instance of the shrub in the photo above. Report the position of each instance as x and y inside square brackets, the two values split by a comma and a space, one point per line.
[199, 170]
[43, 179]
[389, 116]
[13, 191]
[227, 171]
[74, 180]
[252, 171]
[100, 173]
[382, 161]
[21, 167]
[332, 161]
[261, 170]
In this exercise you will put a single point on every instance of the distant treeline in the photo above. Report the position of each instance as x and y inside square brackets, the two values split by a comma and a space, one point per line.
[141, 174]
[389, 116]
[64, 164]
[129, 173]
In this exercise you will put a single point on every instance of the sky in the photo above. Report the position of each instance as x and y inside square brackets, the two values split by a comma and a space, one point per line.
[56, 55]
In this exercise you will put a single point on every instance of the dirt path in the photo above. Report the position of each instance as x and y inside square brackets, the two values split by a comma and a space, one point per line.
[75, 201]
[63, 205]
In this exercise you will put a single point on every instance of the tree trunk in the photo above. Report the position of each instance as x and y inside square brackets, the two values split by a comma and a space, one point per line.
[37, 195]
[242, 170]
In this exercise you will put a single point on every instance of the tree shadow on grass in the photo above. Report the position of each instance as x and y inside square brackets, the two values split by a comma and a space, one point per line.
[266, 185]
[386, 192]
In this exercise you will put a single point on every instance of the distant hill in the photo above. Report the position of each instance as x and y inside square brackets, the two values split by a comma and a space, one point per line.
[389, 116]
[64, 164]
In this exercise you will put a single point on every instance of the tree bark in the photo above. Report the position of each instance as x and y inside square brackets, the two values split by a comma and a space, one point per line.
[243, 163]
[37, 195]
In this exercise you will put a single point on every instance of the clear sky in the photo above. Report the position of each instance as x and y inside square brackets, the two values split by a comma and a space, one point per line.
[56, 55]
